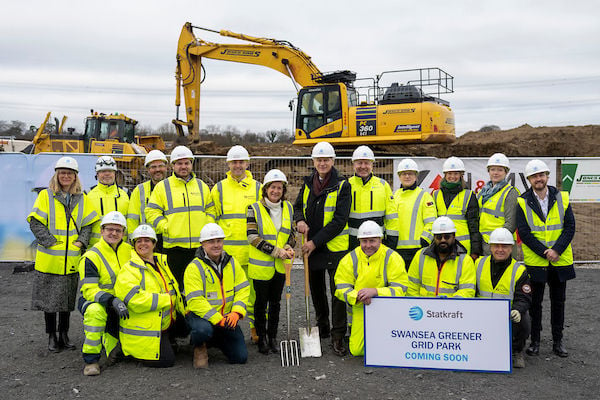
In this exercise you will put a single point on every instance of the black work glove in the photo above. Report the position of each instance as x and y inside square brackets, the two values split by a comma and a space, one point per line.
[120, 308]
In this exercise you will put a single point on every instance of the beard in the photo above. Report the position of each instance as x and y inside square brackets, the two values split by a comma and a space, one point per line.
[443, 248]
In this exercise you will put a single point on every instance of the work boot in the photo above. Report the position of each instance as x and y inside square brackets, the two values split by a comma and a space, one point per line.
[273, 345]
[64, 342]
[53, 345]
[518, 360]
[91, 369]
[200, 357]
[262, 345]
[339, 348]
[559, 349]
[253, 336]
[533, 349]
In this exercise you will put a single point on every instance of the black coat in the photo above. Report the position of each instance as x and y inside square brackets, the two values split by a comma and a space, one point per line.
[322, 257]
[539, 274]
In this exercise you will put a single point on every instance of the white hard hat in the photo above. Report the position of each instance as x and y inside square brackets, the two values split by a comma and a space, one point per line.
[238, 152]
[407, 164]
[114, 217]
[369, 229]
[501, 236]
[498, 160]
[143, 231]
[181, 152]
[534, 167]
[453, 164]
[323, 149]
[155, 155]
[211, 231]
[274, 175]
[106, 163]
[67, 163]
[443, 225]
[363, 153]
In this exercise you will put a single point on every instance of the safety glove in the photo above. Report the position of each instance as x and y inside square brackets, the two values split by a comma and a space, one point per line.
[515, 316]
[120, 308]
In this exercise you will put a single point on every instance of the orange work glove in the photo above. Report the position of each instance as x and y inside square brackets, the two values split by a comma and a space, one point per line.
[222, 322]
[231, 320]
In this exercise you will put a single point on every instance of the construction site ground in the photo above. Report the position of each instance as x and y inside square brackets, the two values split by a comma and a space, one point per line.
[29, 371]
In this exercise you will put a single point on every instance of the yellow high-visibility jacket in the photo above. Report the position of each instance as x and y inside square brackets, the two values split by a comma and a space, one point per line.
[138, 201]
[231, 199]
[491, 214]
[179, 210]
[457, 213]
[416, 212]
[153, 300]
[505, 288]
[107, 198]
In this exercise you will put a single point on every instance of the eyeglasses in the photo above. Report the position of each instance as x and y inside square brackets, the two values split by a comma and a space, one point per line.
[114, 230]
[444, 236]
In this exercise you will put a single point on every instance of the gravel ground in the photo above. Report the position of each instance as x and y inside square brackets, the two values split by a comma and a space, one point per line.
[28, 371]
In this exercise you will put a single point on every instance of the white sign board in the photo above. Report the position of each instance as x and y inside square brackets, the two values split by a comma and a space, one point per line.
[433, 333]
[476, 175]
[581, 178]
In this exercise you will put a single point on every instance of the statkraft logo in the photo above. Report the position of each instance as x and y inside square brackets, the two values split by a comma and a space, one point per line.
[415, 313]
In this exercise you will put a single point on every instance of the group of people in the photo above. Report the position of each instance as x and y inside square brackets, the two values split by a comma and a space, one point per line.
[177, 258]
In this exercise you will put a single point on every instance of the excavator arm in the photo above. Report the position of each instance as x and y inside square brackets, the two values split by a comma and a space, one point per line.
[279, 55]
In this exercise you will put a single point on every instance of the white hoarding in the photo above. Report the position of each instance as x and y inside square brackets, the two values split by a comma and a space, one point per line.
[434, 333]
[581, 178]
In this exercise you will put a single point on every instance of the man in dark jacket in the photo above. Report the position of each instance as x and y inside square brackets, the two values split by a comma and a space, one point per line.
[321, 212]
[546, 226]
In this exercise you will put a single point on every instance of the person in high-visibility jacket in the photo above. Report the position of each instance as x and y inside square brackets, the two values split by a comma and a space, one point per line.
[415, 210]
[372, 269]
[371, 199]
[271, 236]
[156, 166]
[61, 221]
[443, 269]
[460, 205]
[217, 291]
[497, 201]
[231, 197]
[321, 213]
[546, 225]
[147, 287]
[179, 207]
[500, 276]
[101, 309]
[106, 196]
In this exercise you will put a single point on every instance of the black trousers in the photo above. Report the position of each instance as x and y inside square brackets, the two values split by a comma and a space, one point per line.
[318, 292]
[178, 259]
[268, 293]
[407, 255]
[166, 356]
[558, 291]
[63, 321]
[520, 333]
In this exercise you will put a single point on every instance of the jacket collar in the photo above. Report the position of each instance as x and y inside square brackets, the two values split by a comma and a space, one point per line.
[333, 180]
[457, 250]
[532, 201]
[245, 182]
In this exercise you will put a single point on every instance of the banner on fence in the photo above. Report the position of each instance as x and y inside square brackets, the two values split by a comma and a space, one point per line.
[476, 175]
[581, 178]
[433, 333]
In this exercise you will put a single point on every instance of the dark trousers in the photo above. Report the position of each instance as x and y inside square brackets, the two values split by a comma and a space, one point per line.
[407, 255]
[268, 293]
[178, 259]
[318, 292]
[558, 291]
[231, 342]
[520, 333]
[63, 321]
[166, 357]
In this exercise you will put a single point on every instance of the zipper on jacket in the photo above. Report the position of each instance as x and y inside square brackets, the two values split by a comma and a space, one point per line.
[437, 285]
[354, 201]
[67, 240]
[188, 213]
[172, 309]
[371, 200]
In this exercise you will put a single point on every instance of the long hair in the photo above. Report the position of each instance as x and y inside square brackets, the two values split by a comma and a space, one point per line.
[55, 186]
[265, 187]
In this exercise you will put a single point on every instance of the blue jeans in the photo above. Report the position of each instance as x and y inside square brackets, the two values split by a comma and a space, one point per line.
[231, 342]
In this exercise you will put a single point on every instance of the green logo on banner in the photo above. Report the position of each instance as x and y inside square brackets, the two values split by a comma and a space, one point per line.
[568, 176]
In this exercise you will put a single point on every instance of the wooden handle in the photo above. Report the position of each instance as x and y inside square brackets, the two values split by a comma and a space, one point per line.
[288, 278]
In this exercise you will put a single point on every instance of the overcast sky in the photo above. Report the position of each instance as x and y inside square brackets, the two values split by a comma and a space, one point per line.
[514, 62]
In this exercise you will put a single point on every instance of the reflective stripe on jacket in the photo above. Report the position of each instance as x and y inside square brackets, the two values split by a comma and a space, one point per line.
[179, 210]
[231, 199]
[457, 213]
[505, 288]
[372, 201]
[107, 198]
[153, 300]
[211, 295]
[547, 232]
[136, 215]
[416, 213]
[491, 214]
[262, 266]
[63, 257]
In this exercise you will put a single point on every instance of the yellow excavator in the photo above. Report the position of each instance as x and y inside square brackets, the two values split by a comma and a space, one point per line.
[335, 106]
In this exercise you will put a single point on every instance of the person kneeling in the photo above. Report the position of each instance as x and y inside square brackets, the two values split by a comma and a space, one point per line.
[499, 276]
[372, 269]
[147, 286]
[217, 292]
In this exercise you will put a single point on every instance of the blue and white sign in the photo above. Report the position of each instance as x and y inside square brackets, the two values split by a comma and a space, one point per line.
[455, 334]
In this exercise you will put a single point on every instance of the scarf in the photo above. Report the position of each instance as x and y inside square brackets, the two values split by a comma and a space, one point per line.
[451, 187]
[490, 189]
[320, 184]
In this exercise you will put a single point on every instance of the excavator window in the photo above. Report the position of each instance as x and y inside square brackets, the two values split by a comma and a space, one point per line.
[129, 132]
[318, 106]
